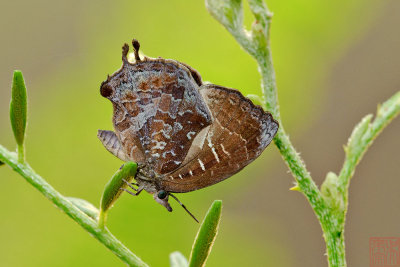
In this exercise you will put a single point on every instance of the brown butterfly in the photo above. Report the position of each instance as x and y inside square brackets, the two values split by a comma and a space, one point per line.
[184, 135]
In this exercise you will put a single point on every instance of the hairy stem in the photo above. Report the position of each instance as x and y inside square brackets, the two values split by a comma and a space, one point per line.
[256, 42]
[361, 139]
[90, 225]
[306, 185]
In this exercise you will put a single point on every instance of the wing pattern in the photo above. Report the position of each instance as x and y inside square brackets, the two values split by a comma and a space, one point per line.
[239, 133]
[158, 110]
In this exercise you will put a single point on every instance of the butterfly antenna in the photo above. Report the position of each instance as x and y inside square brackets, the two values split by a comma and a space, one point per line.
[183, 206]
[136, 46]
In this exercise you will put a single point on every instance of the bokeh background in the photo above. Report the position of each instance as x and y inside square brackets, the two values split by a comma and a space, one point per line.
[335, 61]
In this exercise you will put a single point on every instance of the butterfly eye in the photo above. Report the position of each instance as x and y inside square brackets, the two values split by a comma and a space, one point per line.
[162, 194]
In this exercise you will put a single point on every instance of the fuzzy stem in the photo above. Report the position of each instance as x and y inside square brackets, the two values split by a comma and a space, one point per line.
[256, 42]
[329, 223]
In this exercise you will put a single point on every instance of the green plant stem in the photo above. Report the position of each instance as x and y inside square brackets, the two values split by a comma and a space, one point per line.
[361, 139]
[329, 204]
[90, 225]
[334, 243]
[256, 43]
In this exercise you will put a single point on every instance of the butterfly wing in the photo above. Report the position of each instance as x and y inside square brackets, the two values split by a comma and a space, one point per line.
[158, 111]
[239, 133]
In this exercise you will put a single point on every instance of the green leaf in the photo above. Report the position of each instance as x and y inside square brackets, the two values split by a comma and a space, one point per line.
[113, 188]
[176, 259]
[355, 141]
[228, 12]
[86, 207]
[206, 235]
[18, 110]
[260, 26]
[1, 163]
[363, 136]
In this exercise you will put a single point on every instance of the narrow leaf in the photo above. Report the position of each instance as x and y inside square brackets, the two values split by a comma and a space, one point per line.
[260, 11]
[385, 114]
[86, 207]
[355, 139]
[176, 259]
[113, 188]
[206, 235]
[18, 110]
[363, 136]
[260, 26]
[228, 12]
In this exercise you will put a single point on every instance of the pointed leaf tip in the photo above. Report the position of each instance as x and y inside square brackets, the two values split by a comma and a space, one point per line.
[358, 132]
[206, 235]
[18, 110]
[295, 188]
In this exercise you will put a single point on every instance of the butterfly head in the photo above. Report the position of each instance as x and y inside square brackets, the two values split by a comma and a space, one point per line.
[161, 197]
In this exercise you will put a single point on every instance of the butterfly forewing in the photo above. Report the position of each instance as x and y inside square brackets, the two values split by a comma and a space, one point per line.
[239, 133]
[162, 111]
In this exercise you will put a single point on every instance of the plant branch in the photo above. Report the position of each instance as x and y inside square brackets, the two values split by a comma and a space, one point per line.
[362, 137]
[329, 204]
[305, 183]
[256, 42]
[90, 225]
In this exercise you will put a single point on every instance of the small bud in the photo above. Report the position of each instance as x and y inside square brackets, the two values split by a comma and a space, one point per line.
[18, 111]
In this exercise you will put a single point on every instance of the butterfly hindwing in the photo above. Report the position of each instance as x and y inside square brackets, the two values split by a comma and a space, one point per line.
[240, 131]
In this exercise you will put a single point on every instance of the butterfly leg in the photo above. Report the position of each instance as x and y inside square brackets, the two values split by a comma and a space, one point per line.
[132, 193]
[137, 190]
[131, 185]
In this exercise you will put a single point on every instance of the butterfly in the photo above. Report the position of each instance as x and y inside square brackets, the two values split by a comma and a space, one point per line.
[184, 134]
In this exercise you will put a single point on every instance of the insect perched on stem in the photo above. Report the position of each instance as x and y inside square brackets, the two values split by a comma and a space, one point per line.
[184, 135]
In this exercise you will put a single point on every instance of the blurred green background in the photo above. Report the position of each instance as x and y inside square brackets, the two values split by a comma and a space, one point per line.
[335, 61]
